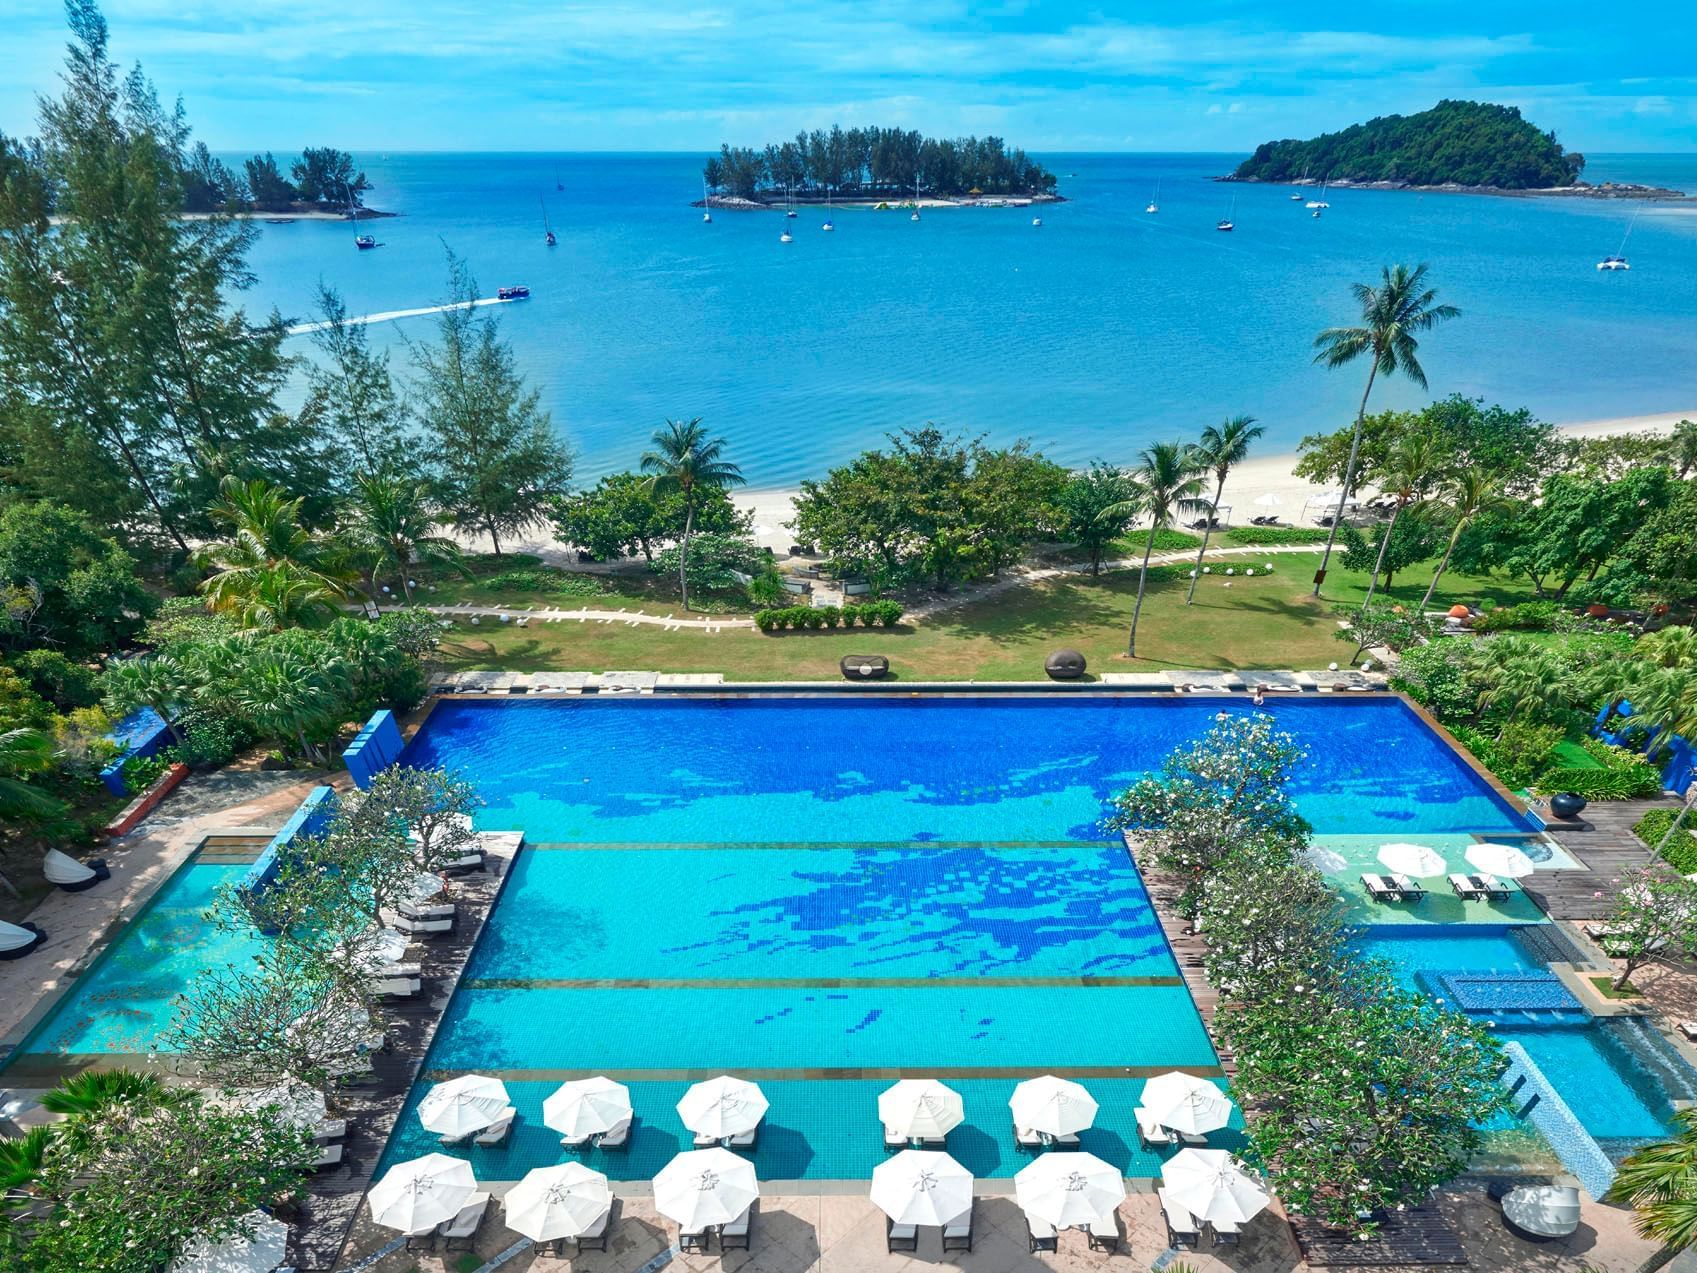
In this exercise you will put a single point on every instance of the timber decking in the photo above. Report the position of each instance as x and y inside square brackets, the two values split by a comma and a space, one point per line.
[1187, 947]
[1405, 1238]
[372, 1107]
[1601, 837]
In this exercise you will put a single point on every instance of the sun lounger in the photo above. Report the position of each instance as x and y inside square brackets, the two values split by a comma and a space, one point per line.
[331, 1129]
[594, 1238]
[1492, 887]
[397, 987]
[421, 1243]
[1381, 888]
[1066, 1140]
[1182, 1229]
[496, 1132]
[1151, 1132]
[1224, 1232]
[1104, 1234]
[328, 1156]
[424, 927]
[617, 1138]
[1040, 1235]
[1028, 1139]
[473, 861]
[734, 1236]
[894, 1140]
[744, 1141]
[703, 1141]
[350, 1067]
[1689, 1030]
[461, 1232]
[695, 1242]
[900, 1237]
[1411, 890]
[1465, 888]
[427, 910]
[958, 1235]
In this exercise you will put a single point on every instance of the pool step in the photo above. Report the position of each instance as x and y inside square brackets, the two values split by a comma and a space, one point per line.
[236, 848]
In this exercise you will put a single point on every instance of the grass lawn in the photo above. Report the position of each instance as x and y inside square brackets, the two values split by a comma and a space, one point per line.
[1266, 622]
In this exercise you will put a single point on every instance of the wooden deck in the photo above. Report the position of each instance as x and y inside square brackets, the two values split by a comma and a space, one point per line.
[1187, 946]
[1405, 1238]
[1601, 837]
[372, 1107]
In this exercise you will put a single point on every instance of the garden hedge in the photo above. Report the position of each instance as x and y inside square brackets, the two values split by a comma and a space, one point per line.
[869, 614]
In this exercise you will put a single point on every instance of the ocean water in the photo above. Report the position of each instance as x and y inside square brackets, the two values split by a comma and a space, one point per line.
[992, 770]
[1100, 332]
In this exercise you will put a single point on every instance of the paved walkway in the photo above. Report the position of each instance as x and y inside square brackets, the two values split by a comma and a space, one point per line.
[630, 618]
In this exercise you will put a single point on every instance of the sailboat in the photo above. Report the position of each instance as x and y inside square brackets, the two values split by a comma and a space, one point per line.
[1618, 261]
[547, 230]
[706, 210]
[1155, 199]
[827, 225]
[362, 242]
[1314, 205]
[1296, 195]
[915, 215]
[1228, 224]
[558, 184]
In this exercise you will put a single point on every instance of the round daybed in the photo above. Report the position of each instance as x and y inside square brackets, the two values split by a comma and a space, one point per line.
[1542, 1212]
[864, 667]
[1064, 665]
[66, 872]
[17, 940]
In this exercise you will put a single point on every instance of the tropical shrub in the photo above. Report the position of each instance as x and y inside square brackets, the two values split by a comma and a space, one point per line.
[1635, 783]
[65, 683]
[1530, 616]
[549, 579]
[141, 772]
[869, 614]
[1681, 851]
[1267, 536]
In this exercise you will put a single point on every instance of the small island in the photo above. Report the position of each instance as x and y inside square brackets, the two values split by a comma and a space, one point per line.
[322, 183]
[872, 166]
[1455, 146]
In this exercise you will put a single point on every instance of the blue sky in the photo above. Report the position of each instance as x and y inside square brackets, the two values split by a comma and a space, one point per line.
[684, 74]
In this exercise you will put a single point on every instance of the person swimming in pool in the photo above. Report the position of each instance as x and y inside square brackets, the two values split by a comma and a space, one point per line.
[1260, 695]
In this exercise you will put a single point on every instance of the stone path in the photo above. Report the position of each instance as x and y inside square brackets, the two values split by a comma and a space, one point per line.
[710, 624]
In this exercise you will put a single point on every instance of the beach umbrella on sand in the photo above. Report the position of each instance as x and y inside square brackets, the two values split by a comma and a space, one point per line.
[417, 1195]
[922, 1186]
[722, 1107]
[587, 1107]
[1053, 1105]
[462, 1106]
[263, 1252]
[1069, 1188]
[1412, 859]
[1270, 500]
[1186, 1103]
[705, 1186]
[921, 1109]
[1212, 1186]
[1326, 861]
[1500, 859]
[557, 1202]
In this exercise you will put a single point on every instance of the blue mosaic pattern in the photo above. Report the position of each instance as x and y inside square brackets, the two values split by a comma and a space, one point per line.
[1487, 993]
[835, 912]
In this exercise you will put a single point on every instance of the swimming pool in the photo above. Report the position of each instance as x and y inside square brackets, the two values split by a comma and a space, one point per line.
[863, 769]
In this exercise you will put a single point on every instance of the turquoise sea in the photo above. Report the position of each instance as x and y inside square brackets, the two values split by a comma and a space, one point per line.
[1093, 335]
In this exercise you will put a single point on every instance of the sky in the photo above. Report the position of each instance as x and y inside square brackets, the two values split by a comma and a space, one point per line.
[574, 75]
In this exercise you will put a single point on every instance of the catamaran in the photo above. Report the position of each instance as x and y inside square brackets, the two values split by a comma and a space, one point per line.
[547, 230]
[706, 209]
[1228, 225]
[1155, 199]
[1617, 261]
[827, 225]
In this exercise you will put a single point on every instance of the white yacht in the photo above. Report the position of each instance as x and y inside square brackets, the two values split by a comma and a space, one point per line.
[1613, 263]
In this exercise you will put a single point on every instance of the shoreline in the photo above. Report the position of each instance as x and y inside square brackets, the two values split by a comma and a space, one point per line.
[900, 203]
[1603, 190]
[1262, 476]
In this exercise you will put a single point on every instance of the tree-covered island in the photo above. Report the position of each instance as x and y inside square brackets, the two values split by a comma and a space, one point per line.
[1455, 145]
[874, 164]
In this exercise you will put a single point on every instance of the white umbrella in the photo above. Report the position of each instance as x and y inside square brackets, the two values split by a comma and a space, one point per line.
[705, 1186]
[462, 1106]
[1270, 500]
[295, 1103]
[1186, 1103]
[722, 1107]
[374, 948]
[417, 1195]
[1057, 1106]
[263, 1252]
[1550, 1211]
[425, 886]
[1326, 861]
[1069, 1188]
[1413, 859]
[557, 1202]
[1211, 1185]
[587, 1107]
[1500, 859]
[922, 1186]
[921, 1108]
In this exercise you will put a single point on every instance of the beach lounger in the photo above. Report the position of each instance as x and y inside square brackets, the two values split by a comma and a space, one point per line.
[1028, 1139]
[1689, 1030]
[64, 872]
[473, 861]
[703, 1141]
[1492, 887]
[331, 1129]
[496, 1133]
[695, 1242]
[328, 1156]
[615, 1138]
[1182, 1229]
[424, 927]
[893, 1140]
[421, 1243]
[1151, 1132]
[958, 1235]
[460, 1233]
[1040, 1235]
[1465, 888]
[1104, 1234]
[594, 1238]
[1411, 890]
[397, 987]
[746, 1140]
[734, 1236]
[427, 910]
[355, 1066]
[1381, 888]
[1224, 1232]
[900, 1237]
[1066, 1140]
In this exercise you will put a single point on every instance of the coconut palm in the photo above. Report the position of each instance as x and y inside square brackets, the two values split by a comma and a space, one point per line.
[1471, 492]
[687, 460]
[1682, 447]
[23, 752]
[389, 521]
[1391, 314]
[1670, 647]
[281, 596]
[265, 534]
[290, 698]
[1660, 1182]
[1169, 481]
[158, 681]
[1408, 476]
[1223, 447]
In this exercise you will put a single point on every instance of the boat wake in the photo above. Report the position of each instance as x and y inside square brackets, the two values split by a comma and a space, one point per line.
[389, 316]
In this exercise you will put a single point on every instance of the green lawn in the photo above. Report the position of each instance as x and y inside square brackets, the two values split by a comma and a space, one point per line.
[1267, 622]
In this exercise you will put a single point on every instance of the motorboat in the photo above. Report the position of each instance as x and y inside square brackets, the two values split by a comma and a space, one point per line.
[518, 292]
[365, 242]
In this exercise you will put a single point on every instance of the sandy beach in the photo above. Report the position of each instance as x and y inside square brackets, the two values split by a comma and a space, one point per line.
[1262, 477]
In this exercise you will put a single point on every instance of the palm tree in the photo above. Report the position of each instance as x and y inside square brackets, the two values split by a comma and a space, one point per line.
[389, 520]
[1660, 1182]
[1407, 475]
[157, 681]
[278, 597]
[687, 460]
[91, 1092]
[1472, 492]
[290, 698]
[1391, 314]
[24, 752]
[1683, 447]
[265, 534]
[1169, 481]
[1222, 447]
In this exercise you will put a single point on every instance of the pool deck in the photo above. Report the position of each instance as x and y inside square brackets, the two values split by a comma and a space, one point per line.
[1601, 837]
